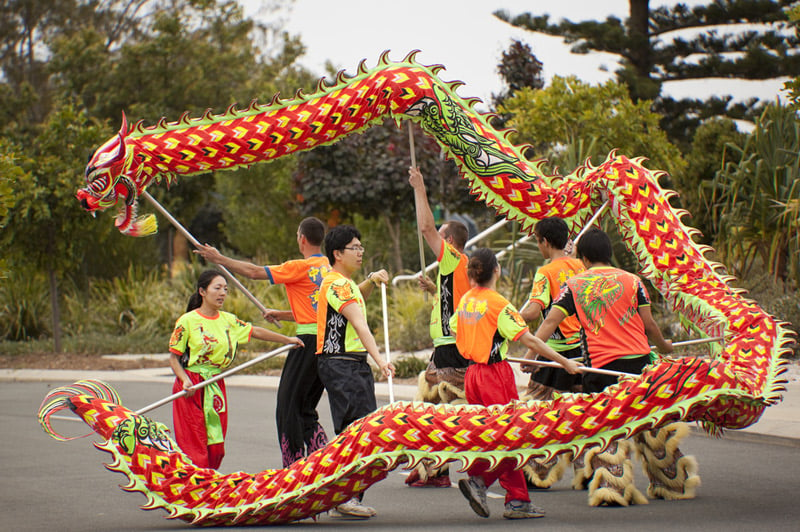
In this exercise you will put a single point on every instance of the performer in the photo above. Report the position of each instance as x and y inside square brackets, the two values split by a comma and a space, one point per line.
[443, 380]
[483, 324]
[552, 236]
[613, 308]
[202, 345]
[300, 388]
[344, 341]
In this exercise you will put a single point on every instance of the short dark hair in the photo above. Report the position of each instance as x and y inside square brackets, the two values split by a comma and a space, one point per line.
[338, 238]
[313, 229]
[458, 231]
[554, 230]
[595, 246]
[481, 266]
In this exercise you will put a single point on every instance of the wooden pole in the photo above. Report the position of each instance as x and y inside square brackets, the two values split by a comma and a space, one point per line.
[419, 231]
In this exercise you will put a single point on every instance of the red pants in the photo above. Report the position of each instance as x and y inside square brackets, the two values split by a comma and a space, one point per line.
[495, 385]
[190, 425]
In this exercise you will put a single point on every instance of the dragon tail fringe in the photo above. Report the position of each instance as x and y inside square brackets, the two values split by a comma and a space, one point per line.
[612, 477]
[672, 475]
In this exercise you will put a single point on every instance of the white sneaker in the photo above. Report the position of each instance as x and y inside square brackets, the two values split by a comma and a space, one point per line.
[352, 509]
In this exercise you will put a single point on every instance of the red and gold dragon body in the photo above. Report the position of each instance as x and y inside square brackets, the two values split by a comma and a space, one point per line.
[730, 390]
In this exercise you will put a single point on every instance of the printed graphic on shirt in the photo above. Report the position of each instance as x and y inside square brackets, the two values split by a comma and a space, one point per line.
[596, 295]
[538, 287]
[315, 275]
[335, 334]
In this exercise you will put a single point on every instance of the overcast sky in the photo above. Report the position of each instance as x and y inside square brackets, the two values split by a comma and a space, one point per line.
[467, 39]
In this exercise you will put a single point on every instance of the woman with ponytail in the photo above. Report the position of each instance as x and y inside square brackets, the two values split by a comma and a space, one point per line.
[483, 324]
[203, 344]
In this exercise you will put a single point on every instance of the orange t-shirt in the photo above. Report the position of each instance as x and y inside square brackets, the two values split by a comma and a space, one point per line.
[547, 284]
[606, 301]
[483, 323]
[302, 278]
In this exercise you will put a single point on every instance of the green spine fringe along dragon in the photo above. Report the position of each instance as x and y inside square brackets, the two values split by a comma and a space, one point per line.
[731, 389]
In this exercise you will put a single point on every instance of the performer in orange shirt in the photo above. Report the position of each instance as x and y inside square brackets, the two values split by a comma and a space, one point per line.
[483, 324]
[552, 235]
[300, 388]
[613, 308]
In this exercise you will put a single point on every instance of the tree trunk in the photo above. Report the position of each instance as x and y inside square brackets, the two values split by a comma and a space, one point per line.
[639, 33]
[180, 254]
[393, 226]
[51, 273]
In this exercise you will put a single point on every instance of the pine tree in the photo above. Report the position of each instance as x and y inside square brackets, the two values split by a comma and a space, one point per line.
[738, 39]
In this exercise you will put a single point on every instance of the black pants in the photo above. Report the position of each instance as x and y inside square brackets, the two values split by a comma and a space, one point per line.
[299, 391]
[350, 385]
[558, 378]
[447, 356]
[595, 382]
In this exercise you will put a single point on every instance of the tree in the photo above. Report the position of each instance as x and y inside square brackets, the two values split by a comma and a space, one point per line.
[756, 197]
[653, 51]
[367, 174]
[519, 68]
[604, 116]
[703, 161]
[44, 226]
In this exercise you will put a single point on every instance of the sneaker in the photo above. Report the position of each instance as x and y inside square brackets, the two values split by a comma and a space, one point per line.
[522, 510]
[352, 509]
[475, 492]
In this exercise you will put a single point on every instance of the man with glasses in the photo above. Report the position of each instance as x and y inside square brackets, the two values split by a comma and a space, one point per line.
[344, 341]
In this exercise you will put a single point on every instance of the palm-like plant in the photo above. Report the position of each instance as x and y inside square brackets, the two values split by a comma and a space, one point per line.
[755, 197]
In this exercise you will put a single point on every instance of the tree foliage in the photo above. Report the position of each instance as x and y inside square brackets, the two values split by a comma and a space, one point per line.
[736, 39]
[604, 116]
[367, 174]
[756, 198]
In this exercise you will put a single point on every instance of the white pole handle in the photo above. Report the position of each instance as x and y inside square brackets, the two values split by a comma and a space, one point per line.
[386, 338]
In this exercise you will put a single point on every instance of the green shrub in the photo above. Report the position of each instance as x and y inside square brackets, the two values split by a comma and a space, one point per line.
[24, 307]
[409, 366]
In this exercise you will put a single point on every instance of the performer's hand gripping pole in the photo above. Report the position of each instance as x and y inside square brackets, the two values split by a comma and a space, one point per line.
[386, 338]
[160, 208]
[215, 378]
[585, 369]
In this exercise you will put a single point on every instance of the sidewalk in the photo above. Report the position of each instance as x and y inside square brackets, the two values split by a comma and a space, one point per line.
[779, 424]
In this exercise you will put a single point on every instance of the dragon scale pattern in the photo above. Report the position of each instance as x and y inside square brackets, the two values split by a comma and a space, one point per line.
[730, 390]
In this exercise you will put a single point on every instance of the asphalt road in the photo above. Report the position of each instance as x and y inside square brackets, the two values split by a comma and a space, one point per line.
[50, 485]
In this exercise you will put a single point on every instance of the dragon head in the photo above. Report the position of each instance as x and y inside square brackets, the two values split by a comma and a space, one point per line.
[107, 180]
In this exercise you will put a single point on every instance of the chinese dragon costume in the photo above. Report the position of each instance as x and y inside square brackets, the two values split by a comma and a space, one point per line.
[730, 390]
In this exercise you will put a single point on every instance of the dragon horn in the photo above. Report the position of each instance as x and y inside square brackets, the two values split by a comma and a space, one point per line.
[123, 132]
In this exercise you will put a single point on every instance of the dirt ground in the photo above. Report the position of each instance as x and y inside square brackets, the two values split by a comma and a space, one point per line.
[74, 361]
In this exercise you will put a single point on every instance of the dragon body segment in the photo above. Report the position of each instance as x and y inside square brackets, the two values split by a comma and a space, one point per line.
[729, 391]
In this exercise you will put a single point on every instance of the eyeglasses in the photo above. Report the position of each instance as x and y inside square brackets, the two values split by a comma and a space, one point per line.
[357, 249]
